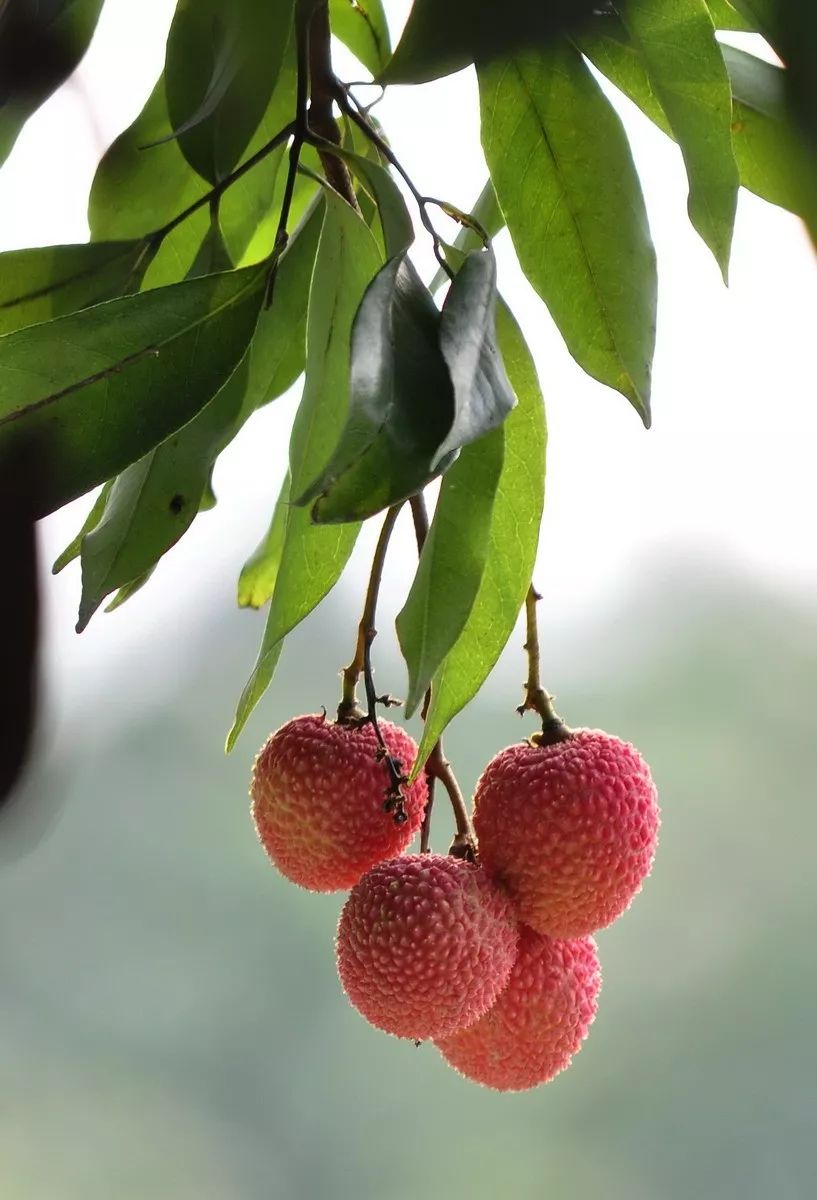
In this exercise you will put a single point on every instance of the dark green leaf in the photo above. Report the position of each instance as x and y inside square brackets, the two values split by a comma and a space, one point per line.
[314, 556]
[154, 501]
[257, 580]
[221, 67]
[94, 391]
[37, 285]
[401, 402]
[72, 550]
[483, 397]
[361, 25]
[40, 46]
[511, 542]
[677, 43]
[440, 37]
[489, 215]
[565, 179]
[452, 563]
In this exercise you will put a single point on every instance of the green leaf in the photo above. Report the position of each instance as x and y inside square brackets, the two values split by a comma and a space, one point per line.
[511, 546]
[94, 391]
[556, 148]
[313, 556]
[37, 285]
[361, 25]
[138, 190]
[771, 157]
[724, 16]
[400, 407]
[72, 550]
[452, 563]
[487, 212]
[221, 67]
[608, 47]
[40, 46]
[154, 501]
[483, 397]
[774, 160]
[212, 255]
[256, 582]
[398, 230]
[128, 590]
[278, 347]
[676, 40]
[440, 37]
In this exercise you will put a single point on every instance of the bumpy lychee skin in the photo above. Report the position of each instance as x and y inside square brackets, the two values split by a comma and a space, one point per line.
[569, 829]
[318, 791]
[539, 1021]
[425, 945]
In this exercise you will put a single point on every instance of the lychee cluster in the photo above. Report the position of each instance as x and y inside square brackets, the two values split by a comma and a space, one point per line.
[488, 955]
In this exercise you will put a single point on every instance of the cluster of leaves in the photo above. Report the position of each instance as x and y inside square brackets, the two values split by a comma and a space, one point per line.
[132, 361]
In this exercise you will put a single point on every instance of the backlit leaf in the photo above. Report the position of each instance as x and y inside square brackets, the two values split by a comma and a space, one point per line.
[221, 67]
[676, 40]
[567, 186]
[256, 582]
[452, 563]
[441, 37]
[362, 26]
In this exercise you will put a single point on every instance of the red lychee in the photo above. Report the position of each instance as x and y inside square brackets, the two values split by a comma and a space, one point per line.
[318, 791]
[539, 1021]
[425, 945]
[568, 828]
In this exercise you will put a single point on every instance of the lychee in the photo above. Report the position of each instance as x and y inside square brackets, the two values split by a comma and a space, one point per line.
[318, 794]
[568, 828]
[425, 945]
[539, 1021]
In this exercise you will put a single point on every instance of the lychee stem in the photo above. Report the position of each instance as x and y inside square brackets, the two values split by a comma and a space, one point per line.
[366, 632]
[536, 698]
[349, 711]
[437, 765]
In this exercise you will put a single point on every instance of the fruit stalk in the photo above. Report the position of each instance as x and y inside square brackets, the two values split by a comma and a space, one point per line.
[536, 698]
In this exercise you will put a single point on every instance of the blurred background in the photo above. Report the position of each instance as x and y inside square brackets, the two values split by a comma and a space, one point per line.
[170, 1020]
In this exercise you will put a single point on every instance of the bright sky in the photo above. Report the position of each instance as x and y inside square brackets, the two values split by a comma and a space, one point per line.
[727, 470]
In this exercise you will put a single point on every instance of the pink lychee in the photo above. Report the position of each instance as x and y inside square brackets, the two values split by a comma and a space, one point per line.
[539, 1021]
[568, 828]
[425, 945]
[318, 794]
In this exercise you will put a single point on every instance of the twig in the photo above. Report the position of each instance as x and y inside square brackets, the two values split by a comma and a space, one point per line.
[536, 698]
[300, 133]
[356, 113]
[215, 193]
[349, 711]
[323, 86]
